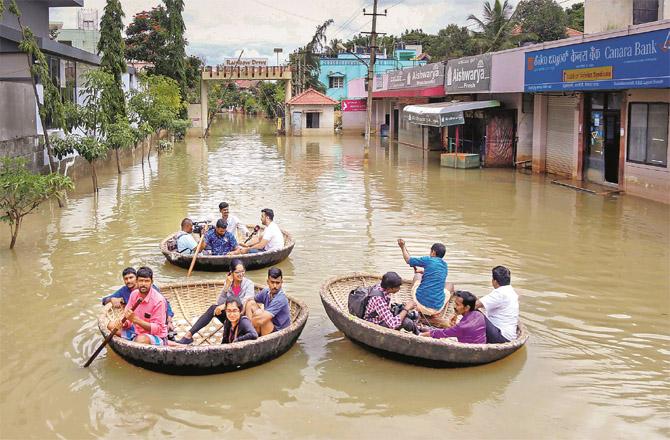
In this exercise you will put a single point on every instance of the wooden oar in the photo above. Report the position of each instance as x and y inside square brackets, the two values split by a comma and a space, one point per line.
[111, 335]
[197, 251]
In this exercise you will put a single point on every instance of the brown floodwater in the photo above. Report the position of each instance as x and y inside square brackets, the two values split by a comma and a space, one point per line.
[592, 274]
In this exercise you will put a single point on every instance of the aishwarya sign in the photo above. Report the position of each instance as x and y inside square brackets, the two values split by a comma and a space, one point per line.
[428, 75]
[245, 62]
[354, 105]
[436, 120]
[470, 74]
[629, 62]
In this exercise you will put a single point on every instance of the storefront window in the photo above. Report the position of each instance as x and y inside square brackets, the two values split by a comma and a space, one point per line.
[648, 133]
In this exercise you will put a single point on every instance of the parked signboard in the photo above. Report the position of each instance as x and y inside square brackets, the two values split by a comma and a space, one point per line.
[469, 74]
[628, 62]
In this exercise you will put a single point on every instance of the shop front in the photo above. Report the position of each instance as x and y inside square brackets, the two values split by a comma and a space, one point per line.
[601, 107]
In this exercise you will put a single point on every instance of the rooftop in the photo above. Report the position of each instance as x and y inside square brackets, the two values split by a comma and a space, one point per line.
[311, 97]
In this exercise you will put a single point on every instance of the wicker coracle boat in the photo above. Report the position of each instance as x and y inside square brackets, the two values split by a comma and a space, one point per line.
[206, 355]
[220, 263]
[403, 345]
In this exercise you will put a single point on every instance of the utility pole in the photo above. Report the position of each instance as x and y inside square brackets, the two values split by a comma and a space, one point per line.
[371, 68]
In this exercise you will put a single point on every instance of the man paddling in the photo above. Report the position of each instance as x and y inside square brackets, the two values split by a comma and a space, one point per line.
[120, 298]
[147, 324]
[429, 283]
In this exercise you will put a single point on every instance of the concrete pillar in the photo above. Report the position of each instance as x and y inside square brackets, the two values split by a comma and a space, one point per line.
[287, 110]
[204, 111]
[540, 133]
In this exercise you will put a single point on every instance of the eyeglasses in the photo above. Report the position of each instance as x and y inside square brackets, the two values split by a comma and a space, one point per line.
[240, 272]
[232, 311]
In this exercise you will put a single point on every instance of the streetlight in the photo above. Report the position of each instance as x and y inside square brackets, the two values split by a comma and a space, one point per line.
[278, 50]
[368, 119]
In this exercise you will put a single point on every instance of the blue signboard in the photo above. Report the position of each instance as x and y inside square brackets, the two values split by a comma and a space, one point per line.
[630, 62]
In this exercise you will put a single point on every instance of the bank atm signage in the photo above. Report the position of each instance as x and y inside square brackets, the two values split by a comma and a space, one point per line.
[633, 61]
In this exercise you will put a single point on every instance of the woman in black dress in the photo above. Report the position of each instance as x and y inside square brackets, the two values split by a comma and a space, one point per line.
[236, 328]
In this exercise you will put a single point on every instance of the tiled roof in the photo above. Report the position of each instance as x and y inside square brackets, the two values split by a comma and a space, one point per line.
[311, 97]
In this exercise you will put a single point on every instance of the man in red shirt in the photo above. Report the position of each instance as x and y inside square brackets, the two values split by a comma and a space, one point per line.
[146, 325]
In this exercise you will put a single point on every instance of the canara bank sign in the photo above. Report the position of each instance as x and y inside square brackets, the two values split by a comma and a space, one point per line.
[471, 74]
[632, 61]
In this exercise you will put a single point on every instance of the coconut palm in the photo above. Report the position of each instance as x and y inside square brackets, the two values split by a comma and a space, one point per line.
[495, 26]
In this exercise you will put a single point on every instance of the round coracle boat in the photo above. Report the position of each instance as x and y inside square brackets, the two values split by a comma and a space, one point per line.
[220, 263]
[404, 345]
[206, 355]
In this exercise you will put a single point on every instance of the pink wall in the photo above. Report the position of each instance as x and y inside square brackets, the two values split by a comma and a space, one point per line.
[357, 89]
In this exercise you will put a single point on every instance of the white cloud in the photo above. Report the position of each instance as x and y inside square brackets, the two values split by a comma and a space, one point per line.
[222, 28]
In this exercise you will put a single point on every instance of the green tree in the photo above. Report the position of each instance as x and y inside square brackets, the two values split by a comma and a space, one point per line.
[575, 16]
[90, 148]
[306, 61]
[452, 42]
[495, 26]
[21, 192]
[221, 94]
[111, 45]
[175, 48]
[93, 117]
[51, 105]
[146, 36]
[119, 134]
[540, 20]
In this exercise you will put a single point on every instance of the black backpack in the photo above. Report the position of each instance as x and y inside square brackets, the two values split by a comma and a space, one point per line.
[358, 300]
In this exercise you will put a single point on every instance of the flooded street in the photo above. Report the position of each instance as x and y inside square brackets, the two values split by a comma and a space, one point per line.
[593, 275]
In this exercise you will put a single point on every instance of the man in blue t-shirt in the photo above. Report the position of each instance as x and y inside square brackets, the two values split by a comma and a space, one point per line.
[429, 294]
[269, 311]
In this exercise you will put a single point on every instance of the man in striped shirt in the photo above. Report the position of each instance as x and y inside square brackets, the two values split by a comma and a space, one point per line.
[378, 309]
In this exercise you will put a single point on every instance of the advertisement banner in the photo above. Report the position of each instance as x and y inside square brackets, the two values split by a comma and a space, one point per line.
[354, 105]
[629, 62]
[436, 120]
[470, 74]
[428, 75]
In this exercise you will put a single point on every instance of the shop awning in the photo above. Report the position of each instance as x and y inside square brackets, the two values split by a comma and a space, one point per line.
[442, 114]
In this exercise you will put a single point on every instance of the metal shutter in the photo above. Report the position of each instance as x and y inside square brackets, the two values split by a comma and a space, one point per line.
[561, 134]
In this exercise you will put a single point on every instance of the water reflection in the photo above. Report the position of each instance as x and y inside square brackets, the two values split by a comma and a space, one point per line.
[389, 388]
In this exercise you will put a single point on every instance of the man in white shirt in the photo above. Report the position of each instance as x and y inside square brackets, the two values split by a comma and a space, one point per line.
[272, 238]
[502, 308]
[234, 223]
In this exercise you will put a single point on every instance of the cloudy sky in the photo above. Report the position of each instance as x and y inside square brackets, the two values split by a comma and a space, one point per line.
[217, 29]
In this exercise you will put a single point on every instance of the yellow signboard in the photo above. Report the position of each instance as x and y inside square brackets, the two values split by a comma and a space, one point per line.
[589, 74]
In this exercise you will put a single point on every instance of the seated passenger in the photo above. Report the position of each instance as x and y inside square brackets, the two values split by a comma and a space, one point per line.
[237, 327]
[219, 241]
[237, 286]
[502, 308]
[472, 327]
[121, 297]
[234, 224]
[429, 283]
[186, 244]
[272, 238]
[147, 324]
[269, 311]
[378, 309]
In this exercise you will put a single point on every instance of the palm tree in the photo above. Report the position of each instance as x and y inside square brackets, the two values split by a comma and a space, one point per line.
[495, 25]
